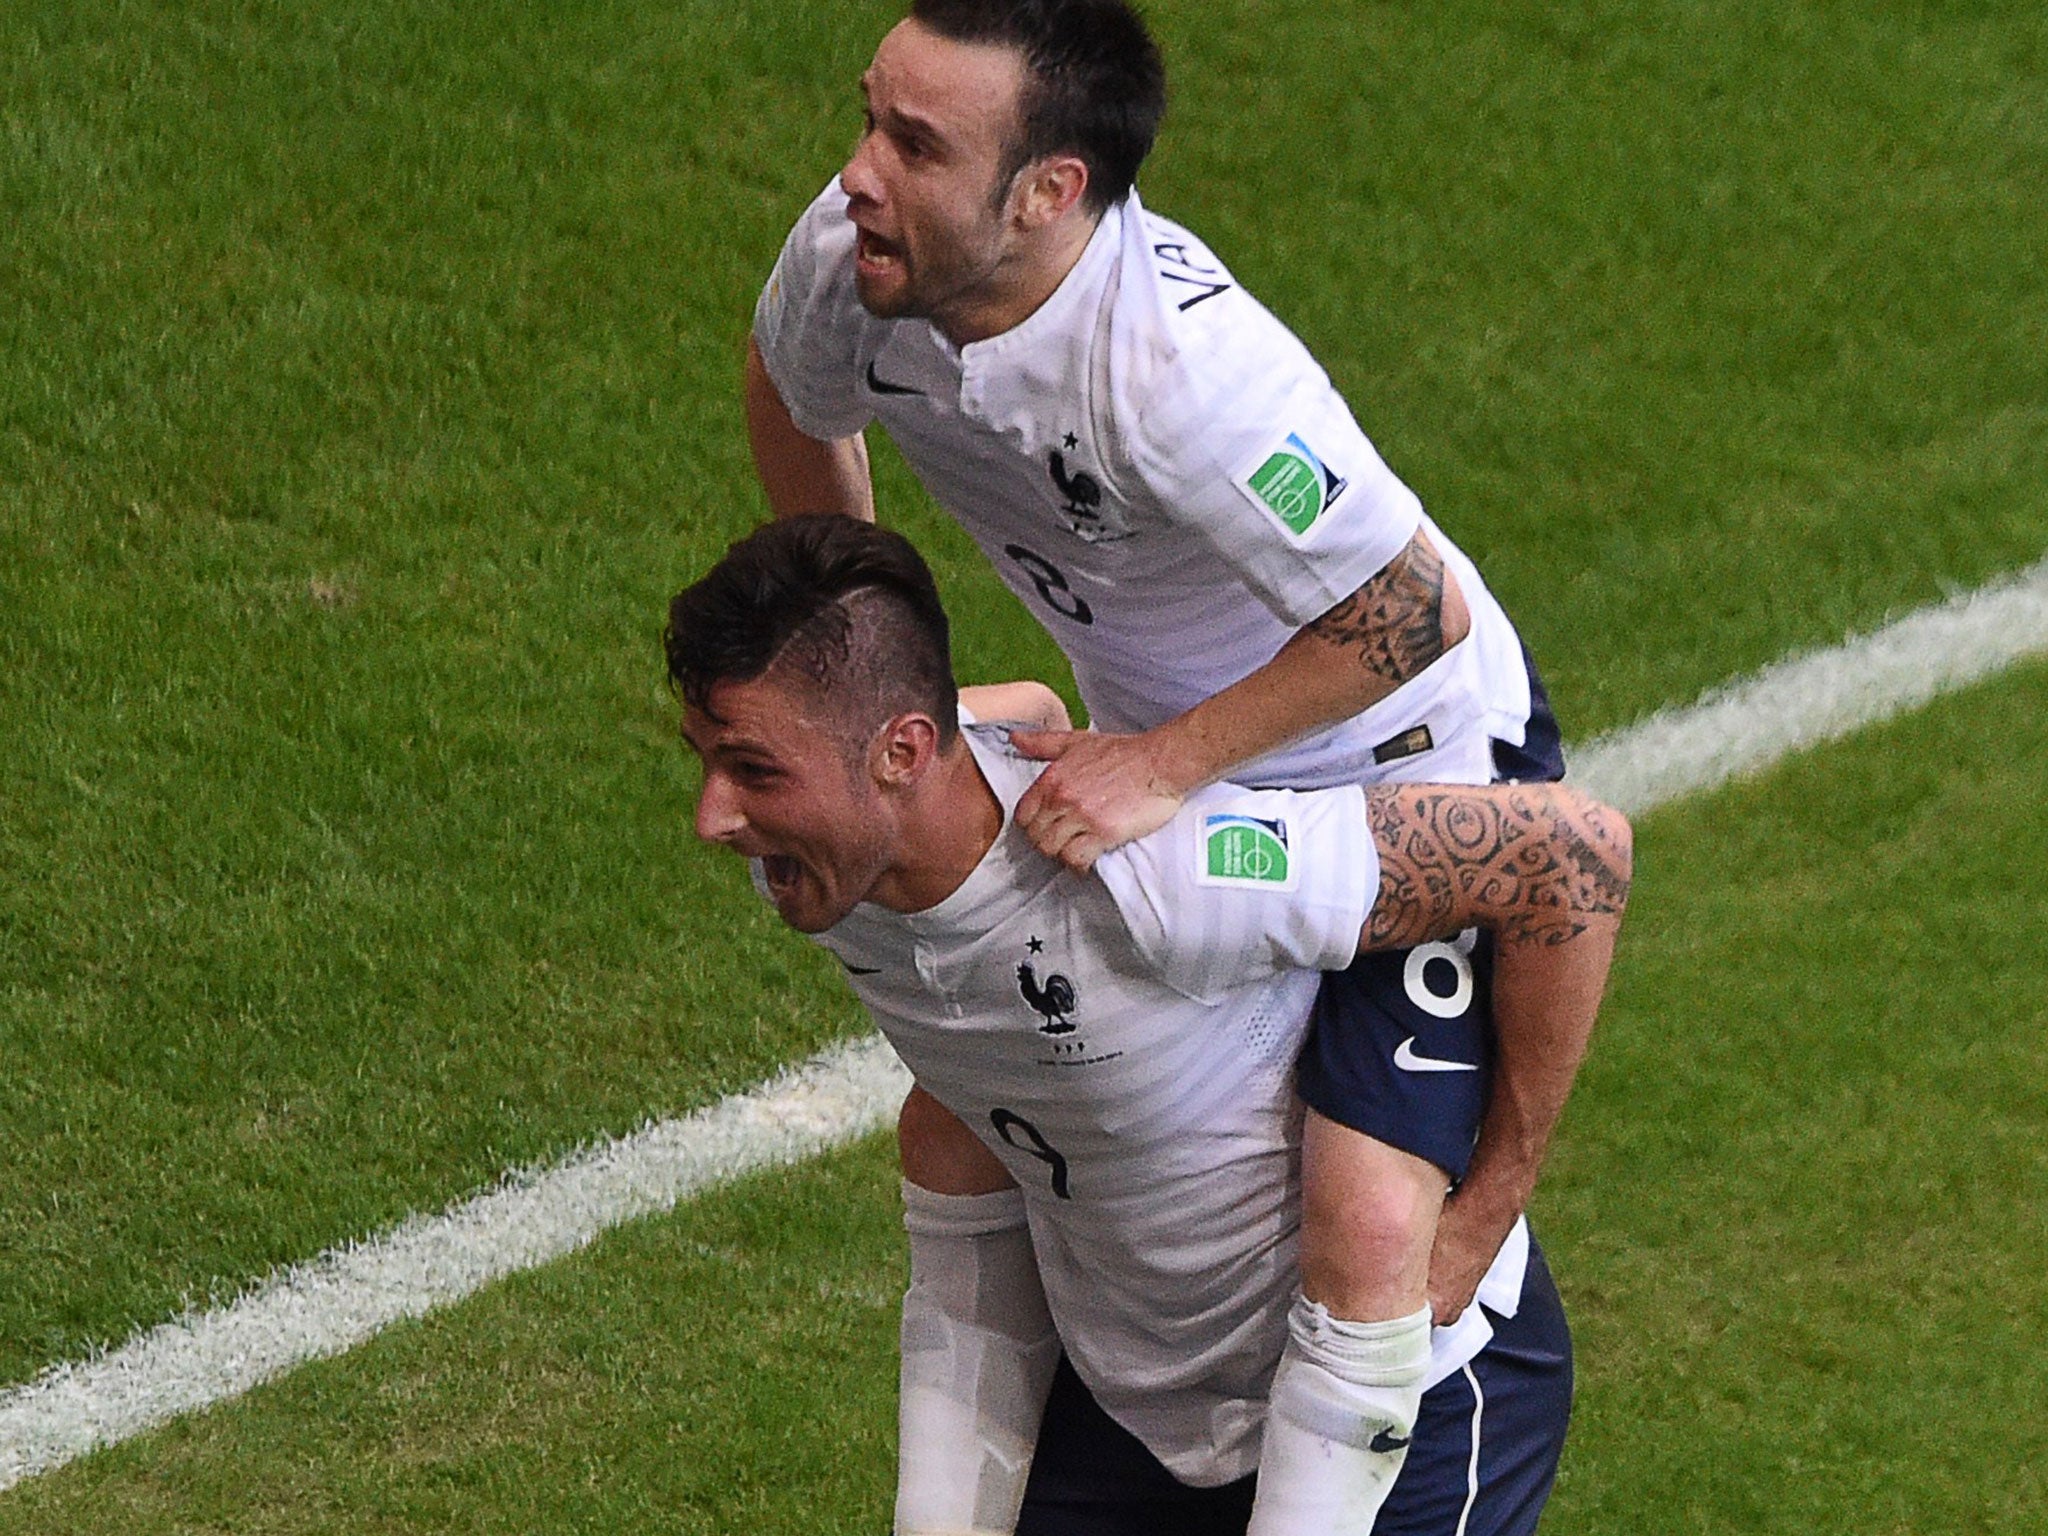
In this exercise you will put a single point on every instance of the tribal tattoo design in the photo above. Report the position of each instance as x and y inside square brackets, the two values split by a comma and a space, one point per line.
[1537, 862]
[1396, 620]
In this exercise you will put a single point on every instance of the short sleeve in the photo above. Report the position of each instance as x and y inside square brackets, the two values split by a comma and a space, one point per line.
[1244, 884]
[807, 323]
[1242, 437]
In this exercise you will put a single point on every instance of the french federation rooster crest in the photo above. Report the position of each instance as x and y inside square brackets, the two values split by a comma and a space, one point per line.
[1052, 1001]
[1082, 490]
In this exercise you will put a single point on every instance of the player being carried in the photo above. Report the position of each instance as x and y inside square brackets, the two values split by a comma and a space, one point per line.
[1122, 1046]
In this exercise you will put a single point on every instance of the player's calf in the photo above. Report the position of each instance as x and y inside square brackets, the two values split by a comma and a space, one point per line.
[1349, 1385]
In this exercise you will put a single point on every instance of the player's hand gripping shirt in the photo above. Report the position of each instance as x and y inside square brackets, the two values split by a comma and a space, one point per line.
[1125, 1044]
[1160, 471]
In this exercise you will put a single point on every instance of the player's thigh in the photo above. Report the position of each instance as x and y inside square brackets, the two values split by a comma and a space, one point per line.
[1486, 1446]
[1400, 1046]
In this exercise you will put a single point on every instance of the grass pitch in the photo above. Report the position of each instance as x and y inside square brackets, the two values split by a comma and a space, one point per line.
[367, 383]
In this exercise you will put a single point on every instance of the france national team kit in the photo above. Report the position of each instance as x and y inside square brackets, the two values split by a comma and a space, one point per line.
[1125, 1044]
[1166, 478]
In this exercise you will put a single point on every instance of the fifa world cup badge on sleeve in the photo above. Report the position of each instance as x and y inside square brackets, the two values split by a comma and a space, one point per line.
[1245, 851]
[1293, 483]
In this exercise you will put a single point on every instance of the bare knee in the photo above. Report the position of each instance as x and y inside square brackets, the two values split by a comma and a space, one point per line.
[1369, 1214]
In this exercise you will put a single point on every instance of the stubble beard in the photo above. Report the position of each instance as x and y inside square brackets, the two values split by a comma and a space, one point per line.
[935, 288]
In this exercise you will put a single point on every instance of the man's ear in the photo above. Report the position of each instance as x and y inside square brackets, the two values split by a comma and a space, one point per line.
[1047, 190]
[904, 750]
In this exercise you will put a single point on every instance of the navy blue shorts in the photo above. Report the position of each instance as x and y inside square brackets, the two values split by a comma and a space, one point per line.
[1485, 1450]
[1487, 1443]
[1400, 1047]
[1092, 1477]
[1540, 757]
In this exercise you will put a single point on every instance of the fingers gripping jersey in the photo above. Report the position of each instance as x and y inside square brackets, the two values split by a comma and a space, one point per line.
[1155, 465]
[1125, 1045]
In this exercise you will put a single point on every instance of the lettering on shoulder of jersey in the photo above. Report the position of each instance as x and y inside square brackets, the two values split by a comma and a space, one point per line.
[1246, 852]
[1196, 274]
[1291, 481]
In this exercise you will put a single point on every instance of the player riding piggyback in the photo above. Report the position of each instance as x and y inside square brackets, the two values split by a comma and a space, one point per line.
[1165, 476]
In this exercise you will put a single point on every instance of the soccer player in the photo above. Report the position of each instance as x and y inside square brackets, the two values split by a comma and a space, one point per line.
[1122, 1046]
[1166, 478]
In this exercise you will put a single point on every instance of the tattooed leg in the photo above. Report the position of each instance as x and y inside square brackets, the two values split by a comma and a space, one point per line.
[1529, 861]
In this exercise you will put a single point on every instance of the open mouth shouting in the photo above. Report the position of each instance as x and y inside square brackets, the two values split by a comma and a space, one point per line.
[876, 259]
[802, 896]
[780, 873]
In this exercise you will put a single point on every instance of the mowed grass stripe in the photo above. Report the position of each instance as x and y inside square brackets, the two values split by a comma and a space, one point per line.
[349, 1294]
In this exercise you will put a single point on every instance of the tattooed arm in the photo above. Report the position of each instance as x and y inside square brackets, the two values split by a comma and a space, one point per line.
[1395, 625]
[1102, 791]
[1547, 870]
[1542, 864]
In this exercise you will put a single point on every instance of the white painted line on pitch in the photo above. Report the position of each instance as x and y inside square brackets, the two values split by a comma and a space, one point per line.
[342, 1298]
[1749, 724]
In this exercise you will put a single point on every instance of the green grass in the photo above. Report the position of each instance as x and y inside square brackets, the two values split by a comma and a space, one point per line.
[365, 399]
[1797, 1215]
[729, 1368]
[1801, 1204]
[367, 382]
[1708, 329]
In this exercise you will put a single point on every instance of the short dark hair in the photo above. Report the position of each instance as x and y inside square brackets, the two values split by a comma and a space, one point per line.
[1094, 84]
[851, 606]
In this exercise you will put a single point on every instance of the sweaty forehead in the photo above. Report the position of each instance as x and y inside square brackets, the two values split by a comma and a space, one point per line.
[963, 88]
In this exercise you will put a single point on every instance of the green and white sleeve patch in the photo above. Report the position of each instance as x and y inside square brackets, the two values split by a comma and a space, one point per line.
[1293, 484]
[1237, 850]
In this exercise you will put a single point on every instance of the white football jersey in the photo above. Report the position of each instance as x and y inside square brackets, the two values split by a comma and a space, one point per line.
[1160, 471]
[1125, 1043]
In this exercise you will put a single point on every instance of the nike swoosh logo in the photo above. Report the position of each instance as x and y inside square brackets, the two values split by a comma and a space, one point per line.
[882, 386]
[1406, 1059]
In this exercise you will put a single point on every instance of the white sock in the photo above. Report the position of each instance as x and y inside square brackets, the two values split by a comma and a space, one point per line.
[978, 1353]
[1343, 1406]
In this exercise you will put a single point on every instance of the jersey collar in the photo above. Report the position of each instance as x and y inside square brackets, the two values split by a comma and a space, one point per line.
[1011, 871]
[1045, 350]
